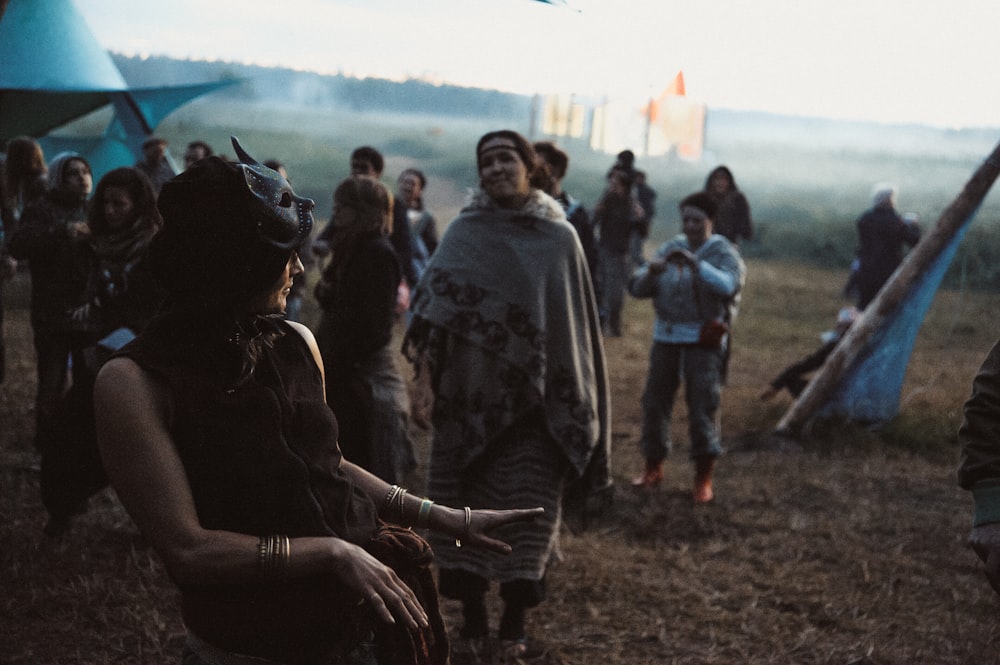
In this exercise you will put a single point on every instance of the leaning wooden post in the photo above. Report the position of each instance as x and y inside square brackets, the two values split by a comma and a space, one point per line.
[821, 388]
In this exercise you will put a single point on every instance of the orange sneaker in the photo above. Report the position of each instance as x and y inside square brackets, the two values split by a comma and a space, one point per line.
[651, 477]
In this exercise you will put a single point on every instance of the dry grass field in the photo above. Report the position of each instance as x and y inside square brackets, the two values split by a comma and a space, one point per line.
[846, 546]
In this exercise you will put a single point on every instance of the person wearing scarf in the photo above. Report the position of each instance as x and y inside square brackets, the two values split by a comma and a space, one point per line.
[123, 220]
[510, 366]
[215, 433]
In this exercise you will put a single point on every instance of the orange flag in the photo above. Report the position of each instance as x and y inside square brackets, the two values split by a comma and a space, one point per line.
[675, 89]
[676, 86]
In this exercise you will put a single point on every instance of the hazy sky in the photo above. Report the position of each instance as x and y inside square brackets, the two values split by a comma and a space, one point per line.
[888, 60]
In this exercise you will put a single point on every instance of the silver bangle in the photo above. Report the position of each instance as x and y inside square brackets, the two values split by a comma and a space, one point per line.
[387, 501]
[468, 522]
[400, 496]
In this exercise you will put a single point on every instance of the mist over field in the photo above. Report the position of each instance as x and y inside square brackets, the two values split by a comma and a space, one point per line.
[807, 179]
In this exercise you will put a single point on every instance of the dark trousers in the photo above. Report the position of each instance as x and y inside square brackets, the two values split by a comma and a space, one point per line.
[71, 468]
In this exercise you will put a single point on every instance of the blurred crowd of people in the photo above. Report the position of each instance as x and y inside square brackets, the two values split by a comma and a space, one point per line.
[503, 316]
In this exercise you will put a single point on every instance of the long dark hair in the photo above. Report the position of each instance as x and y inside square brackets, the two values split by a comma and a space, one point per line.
[139, 190]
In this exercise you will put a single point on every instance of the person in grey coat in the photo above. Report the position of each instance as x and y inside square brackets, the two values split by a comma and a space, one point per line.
[692, 282]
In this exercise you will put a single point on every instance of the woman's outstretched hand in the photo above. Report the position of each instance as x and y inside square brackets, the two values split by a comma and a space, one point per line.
[476, 533]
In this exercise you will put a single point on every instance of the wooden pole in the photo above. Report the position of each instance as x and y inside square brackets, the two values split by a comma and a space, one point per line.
[821, 388]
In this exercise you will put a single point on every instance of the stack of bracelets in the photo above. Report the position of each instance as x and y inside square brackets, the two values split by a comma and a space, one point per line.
[273, 553]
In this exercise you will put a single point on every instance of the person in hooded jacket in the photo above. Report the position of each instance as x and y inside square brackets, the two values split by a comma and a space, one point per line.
[54, 237]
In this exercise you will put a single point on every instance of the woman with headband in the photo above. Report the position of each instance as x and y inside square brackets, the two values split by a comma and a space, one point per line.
[510, 369]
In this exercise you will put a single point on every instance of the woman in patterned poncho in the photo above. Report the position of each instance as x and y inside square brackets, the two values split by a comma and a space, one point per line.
[507, 344]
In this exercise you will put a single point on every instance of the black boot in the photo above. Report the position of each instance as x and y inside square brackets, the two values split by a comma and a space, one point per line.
[512, 622]
[471, 590]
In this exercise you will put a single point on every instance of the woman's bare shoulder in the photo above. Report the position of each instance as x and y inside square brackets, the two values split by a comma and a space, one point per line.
[123, 382]
[303, 331]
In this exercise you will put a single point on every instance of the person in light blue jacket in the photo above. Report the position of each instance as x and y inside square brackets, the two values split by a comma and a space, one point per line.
[693, 282]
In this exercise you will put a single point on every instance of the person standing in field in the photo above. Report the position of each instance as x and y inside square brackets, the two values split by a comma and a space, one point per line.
[506, 343]
[368, 162]
[54, 237]
[882, 235]
[357, 294]
[576, 214]
[692, 282]
[154, 163]
[423, 227]
[23, 180]
[733, 219]
[196, 150]
[123, 298]
[645, 196]
[615, 215]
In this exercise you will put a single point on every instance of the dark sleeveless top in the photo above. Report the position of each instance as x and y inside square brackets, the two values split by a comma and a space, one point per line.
[261, 457]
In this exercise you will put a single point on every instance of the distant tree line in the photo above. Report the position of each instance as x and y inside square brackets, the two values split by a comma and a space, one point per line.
[286, 86]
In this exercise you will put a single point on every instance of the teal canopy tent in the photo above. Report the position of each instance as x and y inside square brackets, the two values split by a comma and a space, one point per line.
[54, 71]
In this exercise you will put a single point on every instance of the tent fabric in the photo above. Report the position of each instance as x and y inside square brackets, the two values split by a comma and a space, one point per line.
[71, 58]
[37, 112]
[55, 72]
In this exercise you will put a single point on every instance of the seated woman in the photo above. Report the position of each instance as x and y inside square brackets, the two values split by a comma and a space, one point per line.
[214, 431]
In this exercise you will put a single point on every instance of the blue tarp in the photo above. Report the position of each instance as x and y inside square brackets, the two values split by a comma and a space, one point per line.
[870, 389]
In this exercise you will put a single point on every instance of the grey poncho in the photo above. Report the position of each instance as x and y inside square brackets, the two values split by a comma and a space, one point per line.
[511, 293]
